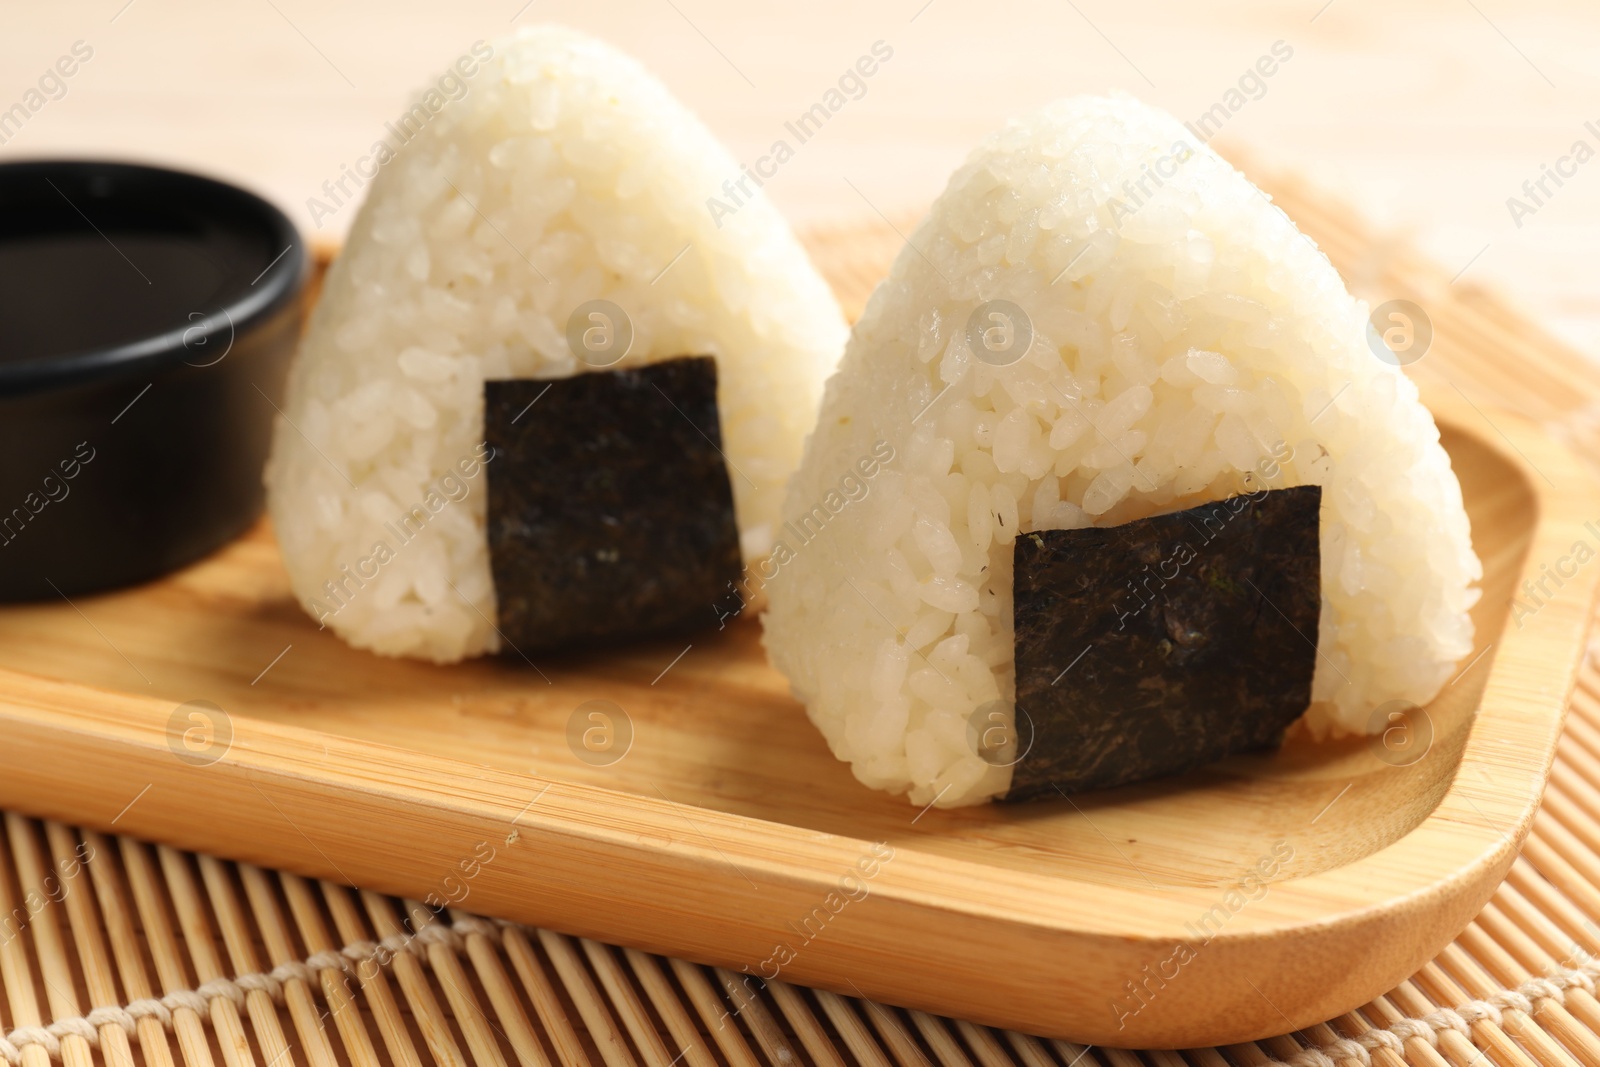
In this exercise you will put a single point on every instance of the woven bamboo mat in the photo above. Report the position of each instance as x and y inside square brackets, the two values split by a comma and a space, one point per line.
[117, 952]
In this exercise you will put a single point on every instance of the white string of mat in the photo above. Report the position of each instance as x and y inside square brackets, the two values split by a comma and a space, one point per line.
[1525, 998]
[348, 959]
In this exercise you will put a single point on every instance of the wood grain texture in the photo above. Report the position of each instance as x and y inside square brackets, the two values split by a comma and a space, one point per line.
[727, 823]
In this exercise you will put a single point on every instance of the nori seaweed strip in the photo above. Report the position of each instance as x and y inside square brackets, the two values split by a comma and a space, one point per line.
[1157, 646]
[610, 512]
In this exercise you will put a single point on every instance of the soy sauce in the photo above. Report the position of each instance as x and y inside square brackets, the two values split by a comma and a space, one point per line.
[81, 271]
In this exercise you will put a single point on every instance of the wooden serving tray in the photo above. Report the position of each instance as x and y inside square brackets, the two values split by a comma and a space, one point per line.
[1322, 875]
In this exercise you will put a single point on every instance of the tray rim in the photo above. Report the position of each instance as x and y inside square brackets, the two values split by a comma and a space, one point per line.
[1051, 935]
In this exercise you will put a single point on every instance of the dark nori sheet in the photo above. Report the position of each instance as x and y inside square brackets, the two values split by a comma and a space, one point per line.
[610, 512]
[1159, 645]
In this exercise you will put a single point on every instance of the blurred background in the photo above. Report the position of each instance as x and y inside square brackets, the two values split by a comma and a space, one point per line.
[1427, 115]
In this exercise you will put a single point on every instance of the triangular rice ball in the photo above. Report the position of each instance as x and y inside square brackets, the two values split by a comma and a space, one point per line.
[1188, 345]
[563, 174]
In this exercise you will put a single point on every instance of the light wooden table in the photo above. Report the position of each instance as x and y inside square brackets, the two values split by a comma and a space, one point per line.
[1427, 114]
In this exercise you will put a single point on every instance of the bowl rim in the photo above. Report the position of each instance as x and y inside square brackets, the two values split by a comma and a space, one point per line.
[279, 283]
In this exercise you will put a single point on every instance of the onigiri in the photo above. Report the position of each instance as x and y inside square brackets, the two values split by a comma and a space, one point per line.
[1098, 322]
[557, 203]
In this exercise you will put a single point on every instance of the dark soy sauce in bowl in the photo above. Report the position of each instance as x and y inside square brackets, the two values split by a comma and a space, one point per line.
[146, 320]
[70, 292]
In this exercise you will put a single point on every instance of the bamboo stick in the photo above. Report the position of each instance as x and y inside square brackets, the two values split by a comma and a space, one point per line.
[225, 1021]
[1455, 1047]
[239, 940]
[796, 1008]
[602, 1029]
[84, 923]
[15, 967]
[713, 1016]
[1513, 958]
[475, 1026]
[514, 1023]
[150, 896]
[626, 1004]
[414, 986]
[935, 1032]
[55, 970]
[1030, 1051]
[546, 1001]
[337, 986]
[373, 977]
[111, 895]
[894, 1034]
[1383, 1013]
[841, 1013]
[298, 997]
[750, 1009]
[1470, 972]
[671, 1009]
[1486, 1034]
[985, 1045]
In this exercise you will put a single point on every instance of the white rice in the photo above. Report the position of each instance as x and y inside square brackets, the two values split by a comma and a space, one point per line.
[566, 174]
[1184, 334]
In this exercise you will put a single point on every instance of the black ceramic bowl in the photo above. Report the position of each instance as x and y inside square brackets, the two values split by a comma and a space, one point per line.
[147, 318]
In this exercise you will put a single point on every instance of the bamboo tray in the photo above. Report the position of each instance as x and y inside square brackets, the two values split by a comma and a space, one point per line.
[727, 824]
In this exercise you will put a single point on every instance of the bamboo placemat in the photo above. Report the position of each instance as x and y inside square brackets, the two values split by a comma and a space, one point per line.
[118, 952]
